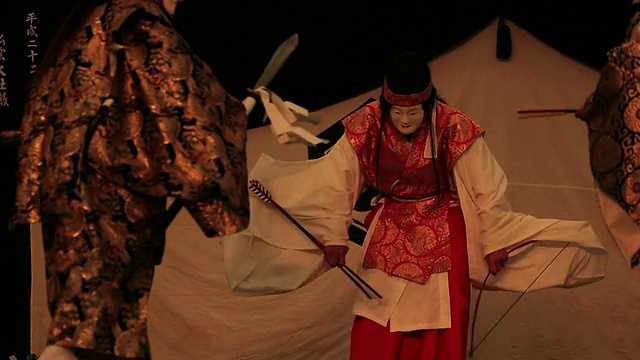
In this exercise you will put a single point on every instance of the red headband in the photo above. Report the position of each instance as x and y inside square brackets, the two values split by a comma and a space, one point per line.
[406, 100]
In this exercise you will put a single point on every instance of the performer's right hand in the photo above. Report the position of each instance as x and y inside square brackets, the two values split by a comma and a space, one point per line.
[335, 255]
[584, 110]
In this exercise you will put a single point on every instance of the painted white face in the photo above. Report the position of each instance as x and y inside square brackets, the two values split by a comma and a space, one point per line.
[407, 119]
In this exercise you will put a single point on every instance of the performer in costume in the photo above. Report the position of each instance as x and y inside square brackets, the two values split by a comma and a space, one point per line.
[122, 116]
[442, 223]
[407, 144]
[611, 114]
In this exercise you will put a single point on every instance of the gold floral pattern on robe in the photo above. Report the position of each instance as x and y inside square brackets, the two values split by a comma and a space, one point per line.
[612, 114]
[98, 176]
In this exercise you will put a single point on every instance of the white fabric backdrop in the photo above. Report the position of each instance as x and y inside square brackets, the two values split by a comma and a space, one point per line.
[193, 315]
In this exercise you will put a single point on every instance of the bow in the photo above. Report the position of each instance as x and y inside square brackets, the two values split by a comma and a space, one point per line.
[484, 283]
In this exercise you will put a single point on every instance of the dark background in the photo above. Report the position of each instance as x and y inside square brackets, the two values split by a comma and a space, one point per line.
[343, 48]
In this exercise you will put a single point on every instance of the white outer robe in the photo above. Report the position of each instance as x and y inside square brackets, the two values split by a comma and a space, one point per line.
[273, 256]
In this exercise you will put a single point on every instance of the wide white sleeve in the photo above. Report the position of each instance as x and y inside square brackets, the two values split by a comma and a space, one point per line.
[273, 255]
[481, 176]
[577, 253]
[328, 193]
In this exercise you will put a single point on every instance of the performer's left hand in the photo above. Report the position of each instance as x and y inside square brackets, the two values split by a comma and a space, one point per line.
[496, 260]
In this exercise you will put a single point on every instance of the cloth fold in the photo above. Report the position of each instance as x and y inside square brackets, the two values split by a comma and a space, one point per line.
[283, 115]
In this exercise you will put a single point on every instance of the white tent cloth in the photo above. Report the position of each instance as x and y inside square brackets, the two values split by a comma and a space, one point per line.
[193, 313]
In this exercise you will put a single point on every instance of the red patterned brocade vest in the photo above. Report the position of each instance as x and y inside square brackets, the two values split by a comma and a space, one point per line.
[411, 237]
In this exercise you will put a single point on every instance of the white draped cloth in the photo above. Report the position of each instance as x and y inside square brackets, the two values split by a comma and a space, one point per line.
[273, 256]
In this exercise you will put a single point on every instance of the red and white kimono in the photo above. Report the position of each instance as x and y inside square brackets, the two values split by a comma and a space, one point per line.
[418, 232]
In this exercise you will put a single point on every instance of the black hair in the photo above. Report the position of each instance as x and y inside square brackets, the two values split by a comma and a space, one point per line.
[408, 74]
